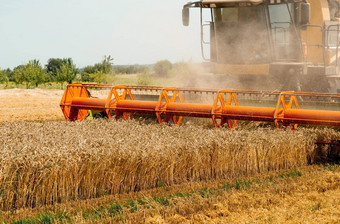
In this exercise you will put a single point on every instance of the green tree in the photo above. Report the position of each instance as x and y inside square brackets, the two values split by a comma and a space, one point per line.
[9, 74]
[97, 76]
[66, 73]
[162, 68]
[106, 65]
[97, 72]
[86, 73]
[26, 76]
[31, 73]
[100, 77]
[18, 74]
[37, 73]
[3, 77]
[54, 66]
[130, 69]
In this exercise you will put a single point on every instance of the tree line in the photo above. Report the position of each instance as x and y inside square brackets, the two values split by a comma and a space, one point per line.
[61, 70]
[58, 70]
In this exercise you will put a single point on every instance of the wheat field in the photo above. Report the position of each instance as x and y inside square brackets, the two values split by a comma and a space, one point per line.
[30, 105]
[52, 171]
[44, 163]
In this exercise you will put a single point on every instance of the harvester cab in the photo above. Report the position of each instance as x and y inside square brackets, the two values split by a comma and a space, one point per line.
[293, 43]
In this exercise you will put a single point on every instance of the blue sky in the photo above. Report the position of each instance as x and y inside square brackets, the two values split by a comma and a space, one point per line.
[132, 32]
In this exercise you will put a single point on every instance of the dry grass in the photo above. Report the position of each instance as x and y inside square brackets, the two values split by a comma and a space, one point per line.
[55, 162]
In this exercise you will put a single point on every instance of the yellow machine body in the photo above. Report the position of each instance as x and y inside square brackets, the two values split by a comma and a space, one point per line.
[290, 40]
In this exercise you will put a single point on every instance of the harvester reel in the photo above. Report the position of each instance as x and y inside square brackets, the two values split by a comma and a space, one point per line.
[225, 108]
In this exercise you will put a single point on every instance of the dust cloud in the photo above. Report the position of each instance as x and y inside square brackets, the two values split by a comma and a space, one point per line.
[199, 75]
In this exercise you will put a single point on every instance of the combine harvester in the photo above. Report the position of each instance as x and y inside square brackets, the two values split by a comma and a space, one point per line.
[292, 43]
[223, 110]
[295, 42]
